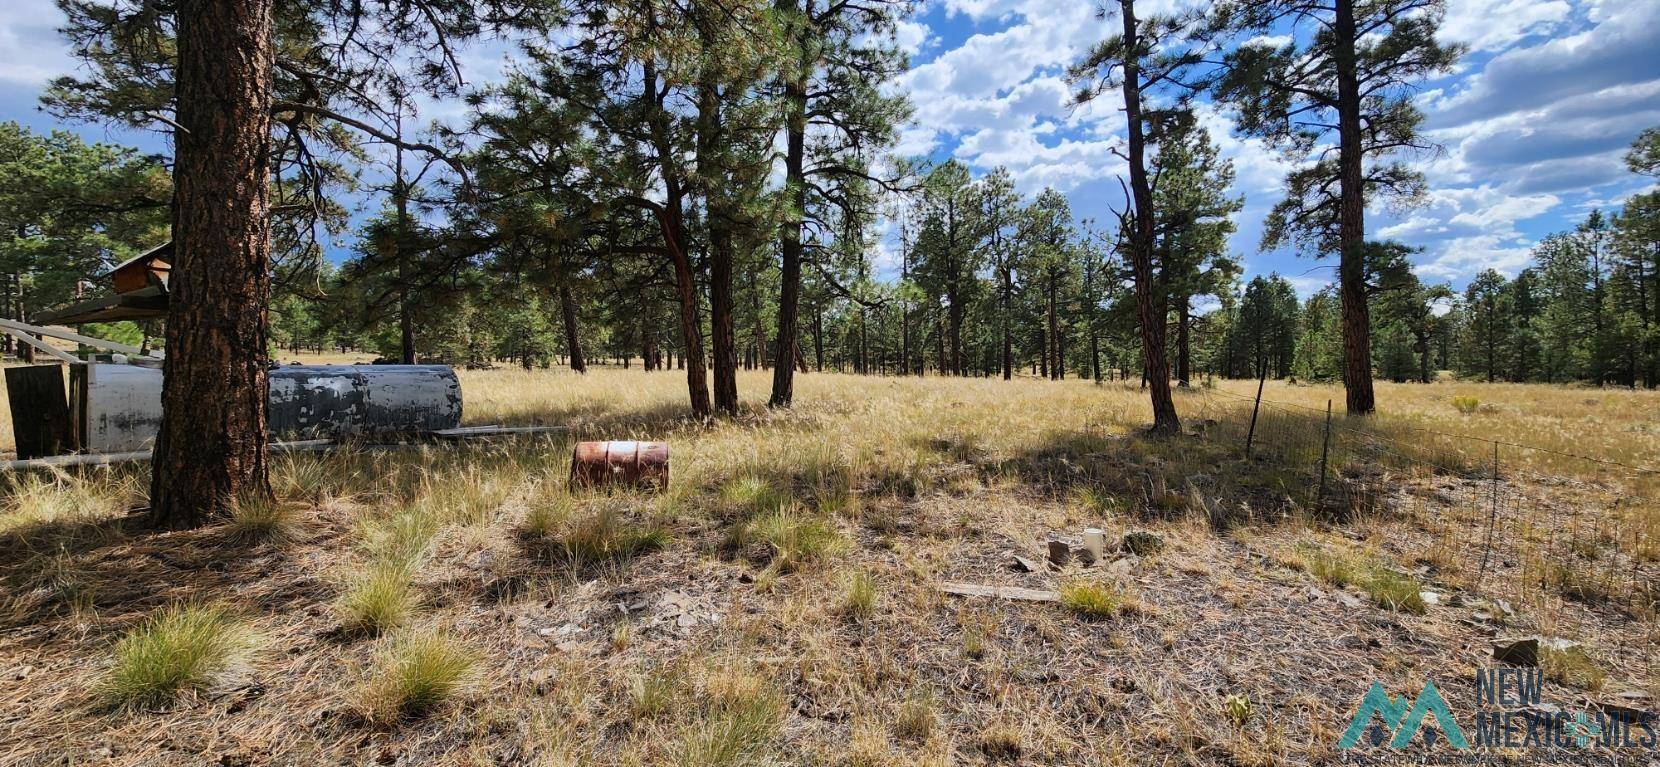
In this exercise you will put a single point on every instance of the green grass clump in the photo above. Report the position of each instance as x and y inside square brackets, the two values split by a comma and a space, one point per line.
[748, 495]
[1466, 405]
[415, 673]
[652, 694]
[1092, 600]
[254, 520]
[403, 538]
[792, 539]
[185, 646]
[605, 536]
[743, 716]
[547, 514]
[859, 600]
[1572, 666]
[1333, 567]
[1401, 593]
[377, 600]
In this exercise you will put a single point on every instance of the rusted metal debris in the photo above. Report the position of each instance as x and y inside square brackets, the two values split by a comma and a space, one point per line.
[626, 462]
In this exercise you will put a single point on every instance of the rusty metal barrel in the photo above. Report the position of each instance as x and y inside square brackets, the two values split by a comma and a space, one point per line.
[620, 462]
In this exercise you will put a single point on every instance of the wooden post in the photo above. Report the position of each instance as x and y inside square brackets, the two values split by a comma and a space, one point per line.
[1252, 433]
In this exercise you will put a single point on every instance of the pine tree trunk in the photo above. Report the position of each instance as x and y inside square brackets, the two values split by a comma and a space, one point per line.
[573, 339]
[1156, 367]
[1351, 222]
[210, 450]
[789, 245]
[1184, 358]
[723, 334]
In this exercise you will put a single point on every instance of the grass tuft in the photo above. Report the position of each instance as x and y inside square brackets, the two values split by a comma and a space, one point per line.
[256, 520]
[792, 539]
[859, 599]
[185, 646]
[743, 714]
[377, 600]
[1572, 666]
[1466, 405]
[414, 674]
[1091, 599]
[604, 536]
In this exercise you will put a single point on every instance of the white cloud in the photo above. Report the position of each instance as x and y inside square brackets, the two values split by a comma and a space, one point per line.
[31, 51]
[1494, 24]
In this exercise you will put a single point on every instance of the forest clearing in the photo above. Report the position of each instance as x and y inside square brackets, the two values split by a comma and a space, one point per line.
[781, 602]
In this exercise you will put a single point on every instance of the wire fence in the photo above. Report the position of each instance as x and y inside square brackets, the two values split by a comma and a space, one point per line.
[1477, 513]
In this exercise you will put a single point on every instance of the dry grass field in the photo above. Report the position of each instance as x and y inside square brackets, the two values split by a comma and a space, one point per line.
[782, 603]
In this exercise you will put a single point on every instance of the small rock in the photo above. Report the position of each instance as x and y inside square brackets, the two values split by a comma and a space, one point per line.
[1348, 600]
[1430, 598]
[1023, 564]
[1143, 542]
[542, 680]
[1314, 594]
[1123, 565]
[1519, 652]
[1059, 553]
[21, 673]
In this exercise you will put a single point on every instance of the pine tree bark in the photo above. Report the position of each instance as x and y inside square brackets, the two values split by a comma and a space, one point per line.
[573, 338]
[1149, 309]
[1184, 356]
[789, 245]
[210, 451]
[723, 335]
[1351, 220]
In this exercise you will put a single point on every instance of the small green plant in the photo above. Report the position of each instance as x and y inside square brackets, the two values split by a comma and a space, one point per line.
[255, 520]
[748, 495]
[415, 673]
[377, 600]
[1238, 709]
[1336, 568]
[859, 601]
[1466, 405]
[650, 695]
[185, 646]
[1091, 599]
[402, 538]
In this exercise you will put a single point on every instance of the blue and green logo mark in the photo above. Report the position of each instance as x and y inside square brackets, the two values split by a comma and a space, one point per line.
[1510, 712]
[1400, 723]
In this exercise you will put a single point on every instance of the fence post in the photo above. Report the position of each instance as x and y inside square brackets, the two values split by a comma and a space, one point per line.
[1252, 433]
[1492, 520]
[1325, 450]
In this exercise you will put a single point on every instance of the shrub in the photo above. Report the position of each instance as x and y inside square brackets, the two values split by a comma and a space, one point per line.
[377, 600]
[1092, 600]
[1466, 405]
[415, 673]
[185, 646]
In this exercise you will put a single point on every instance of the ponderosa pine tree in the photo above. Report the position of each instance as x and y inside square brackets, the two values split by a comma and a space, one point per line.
[836, 120]
[1346, 73]
[1194, 210]
[1148, 58]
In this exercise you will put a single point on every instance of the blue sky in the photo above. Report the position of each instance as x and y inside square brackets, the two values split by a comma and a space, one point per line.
[1533, 122]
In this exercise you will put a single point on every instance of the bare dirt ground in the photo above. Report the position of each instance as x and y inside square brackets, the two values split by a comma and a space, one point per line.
[791, 610]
